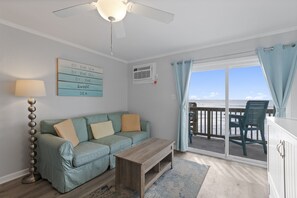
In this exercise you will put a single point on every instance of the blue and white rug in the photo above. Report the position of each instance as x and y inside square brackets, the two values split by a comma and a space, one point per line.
[183, 181]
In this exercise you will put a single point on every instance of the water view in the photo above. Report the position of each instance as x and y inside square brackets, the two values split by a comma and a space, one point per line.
[221, 103]
[207, 90]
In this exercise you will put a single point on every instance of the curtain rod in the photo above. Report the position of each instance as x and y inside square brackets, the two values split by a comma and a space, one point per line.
[250, 52]
[285, 45]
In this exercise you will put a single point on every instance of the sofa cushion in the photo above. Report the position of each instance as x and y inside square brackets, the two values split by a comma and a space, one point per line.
[94, 119]
[102, 129]
[130, 122]
[135, 137]
[115, 142]
[116, 119]
[47, 126]
[66, 131]
[86, 152]
[80, 126]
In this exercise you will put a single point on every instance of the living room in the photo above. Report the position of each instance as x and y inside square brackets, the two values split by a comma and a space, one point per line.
[27, 53]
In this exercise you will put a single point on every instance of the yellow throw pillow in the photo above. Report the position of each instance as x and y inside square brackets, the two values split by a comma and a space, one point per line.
[102, 129]
[66, 131]
[130, 122]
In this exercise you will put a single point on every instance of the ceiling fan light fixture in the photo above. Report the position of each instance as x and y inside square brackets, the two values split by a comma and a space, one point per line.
[115, 9]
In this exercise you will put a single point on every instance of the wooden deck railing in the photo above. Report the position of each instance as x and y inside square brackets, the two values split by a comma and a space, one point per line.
[210, 121]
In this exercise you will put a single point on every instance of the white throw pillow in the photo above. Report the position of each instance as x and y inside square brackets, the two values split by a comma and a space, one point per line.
[102, 129]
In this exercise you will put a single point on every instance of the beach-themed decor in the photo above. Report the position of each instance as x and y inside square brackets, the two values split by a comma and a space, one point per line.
[78, 79]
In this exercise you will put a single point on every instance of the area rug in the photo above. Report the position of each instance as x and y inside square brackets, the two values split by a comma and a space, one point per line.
[183, 181]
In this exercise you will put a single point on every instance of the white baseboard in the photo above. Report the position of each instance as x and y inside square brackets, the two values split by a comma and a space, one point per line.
[13, 176]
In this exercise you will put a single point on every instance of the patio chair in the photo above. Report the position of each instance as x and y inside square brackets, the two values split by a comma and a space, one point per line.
[252, 120]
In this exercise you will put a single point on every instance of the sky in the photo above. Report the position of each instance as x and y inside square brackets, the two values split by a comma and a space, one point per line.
[246, 83]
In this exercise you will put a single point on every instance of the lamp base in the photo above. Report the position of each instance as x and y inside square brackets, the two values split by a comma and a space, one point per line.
[31, 178]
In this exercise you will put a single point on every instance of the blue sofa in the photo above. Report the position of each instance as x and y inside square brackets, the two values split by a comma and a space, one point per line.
[67, 167]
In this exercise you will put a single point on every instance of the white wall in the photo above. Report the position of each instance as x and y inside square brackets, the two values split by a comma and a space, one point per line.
[24, 55]
[158, 104]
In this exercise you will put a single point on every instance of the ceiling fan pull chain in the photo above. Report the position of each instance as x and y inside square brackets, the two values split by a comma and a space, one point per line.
[111, 19]
[111, 52]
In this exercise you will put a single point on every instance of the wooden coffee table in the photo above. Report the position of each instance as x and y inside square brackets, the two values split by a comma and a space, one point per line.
[139, 167]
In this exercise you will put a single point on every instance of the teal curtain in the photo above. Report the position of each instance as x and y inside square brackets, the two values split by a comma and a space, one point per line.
[279, 64]
[182, 71]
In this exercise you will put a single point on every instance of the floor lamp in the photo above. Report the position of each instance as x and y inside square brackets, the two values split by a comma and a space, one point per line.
[30, 89]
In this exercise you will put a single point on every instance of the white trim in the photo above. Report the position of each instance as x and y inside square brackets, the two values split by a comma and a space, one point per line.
[205, 152]
[272, 188]
[13, 176]
[248, 161]
[227, 62]
[251, 162]
[227, 149]
[53, 38]
[256, 36]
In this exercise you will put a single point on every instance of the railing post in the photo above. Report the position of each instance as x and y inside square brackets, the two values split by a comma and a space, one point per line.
[208, 124]
[205, 122]
[195, 123]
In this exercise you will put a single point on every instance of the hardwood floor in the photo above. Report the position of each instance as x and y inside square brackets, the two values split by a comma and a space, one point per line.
[225, 179]
[43, 189]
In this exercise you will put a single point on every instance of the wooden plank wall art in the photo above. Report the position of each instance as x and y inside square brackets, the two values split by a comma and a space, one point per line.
[77, 79]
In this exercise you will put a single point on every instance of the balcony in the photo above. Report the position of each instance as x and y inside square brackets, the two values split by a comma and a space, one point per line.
[207, 125]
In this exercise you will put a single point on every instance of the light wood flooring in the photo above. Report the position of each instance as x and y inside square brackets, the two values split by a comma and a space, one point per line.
[225, 179]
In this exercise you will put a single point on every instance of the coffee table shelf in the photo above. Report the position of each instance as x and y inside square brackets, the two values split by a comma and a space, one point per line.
[153, 174]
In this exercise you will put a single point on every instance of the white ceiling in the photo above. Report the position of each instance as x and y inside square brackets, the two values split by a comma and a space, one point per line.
[197, 24]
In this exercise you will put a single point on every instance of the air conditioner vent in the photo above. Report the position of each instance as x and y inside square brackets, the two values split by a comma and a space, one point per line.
[142, 68]
[144, 73]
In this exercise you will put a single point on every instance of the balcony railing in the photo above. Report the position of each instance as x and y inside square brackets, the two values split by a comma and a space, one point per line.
[210, 121]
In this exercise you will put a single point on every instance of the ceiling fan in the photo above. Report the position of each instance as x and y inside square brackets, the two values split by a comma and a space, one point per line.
[115, 11]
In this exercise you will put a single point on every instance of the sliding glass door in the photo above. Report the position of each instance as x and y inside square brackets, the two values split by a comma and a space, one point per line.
[217, 93]
[248, 84]
[206, 113]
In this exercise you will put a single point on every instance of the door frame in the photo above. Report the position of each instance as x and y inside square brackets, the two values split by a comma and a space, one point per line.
[226, 65]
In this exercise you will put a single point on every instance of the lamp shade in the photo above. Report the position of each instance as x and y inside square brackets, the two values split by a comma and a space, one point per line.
[29, 88]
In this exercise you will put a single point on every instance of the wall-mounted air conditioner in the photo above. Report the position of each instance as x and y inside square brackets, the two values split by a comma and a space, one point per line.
[145, 73]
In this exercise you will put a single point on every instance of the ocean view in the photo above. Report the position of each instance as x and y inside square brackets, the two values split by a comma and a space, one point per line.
[217, 123]
[221, 103]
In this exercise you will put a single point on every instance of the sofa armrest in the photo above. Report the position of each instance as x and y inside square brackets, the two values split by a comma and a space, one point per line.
[55, 151]
[146, 126]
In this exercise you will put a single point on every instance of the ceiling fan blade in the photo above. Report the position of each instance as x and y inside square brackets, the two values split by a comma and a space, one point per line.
[119, 29]
[76, 9]
[153, 13]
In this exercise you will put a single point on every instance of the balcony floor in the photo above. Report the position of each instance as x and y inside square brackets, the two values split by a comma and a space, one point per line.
[254, 151]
